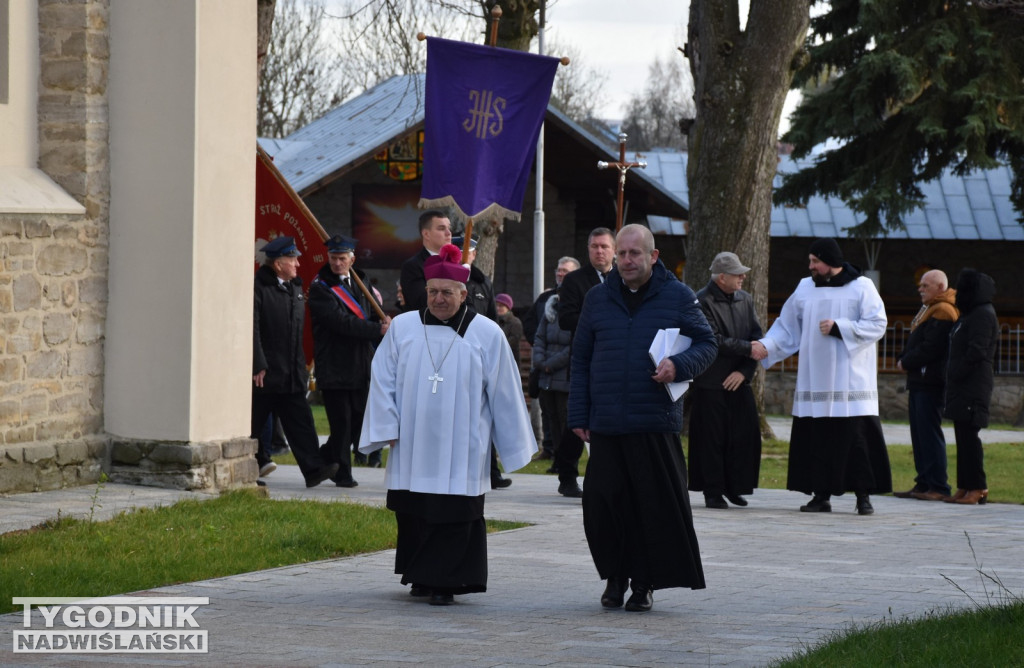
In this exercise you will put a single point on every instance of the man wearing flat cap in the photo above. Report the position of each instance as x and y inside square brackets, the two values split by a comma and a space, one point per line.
[346, 330]
[279, 375]
[443, 386]
[725, 433]
[834, 319]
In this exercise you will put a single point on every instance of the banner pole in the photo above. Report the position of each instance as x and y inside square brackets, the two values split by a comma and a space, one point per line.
[495, 17]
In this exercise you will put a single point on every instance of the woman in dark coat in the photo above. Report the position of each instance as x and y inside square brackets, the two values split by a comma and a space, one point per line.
[969, 372]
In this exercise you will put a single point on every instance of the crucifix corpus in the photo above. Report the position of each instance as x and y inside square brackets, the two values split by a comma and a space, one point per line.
[623, 167]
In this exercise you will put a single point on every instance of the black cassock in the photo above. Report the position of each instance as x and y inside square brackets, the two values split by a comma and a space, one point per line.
[636, 511]
[836, 455]
[442, 541]
[725, 441]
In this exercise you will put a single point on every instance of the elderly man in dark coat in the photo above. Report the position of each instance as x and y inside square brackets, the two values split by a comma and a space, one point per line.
[924, 361]
[279, 375]
[725, 433]
[346, 330]
[636, 510]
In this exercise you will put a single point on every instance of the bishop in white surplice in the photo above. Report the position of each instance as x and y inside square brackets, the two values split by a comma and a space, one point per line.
[443, 387]
[442, 438]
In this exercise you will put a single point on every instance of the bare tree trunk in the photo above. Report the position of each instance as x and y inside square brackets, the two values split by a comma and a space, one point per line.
[264, 28]
[741, 79]
[517, 26]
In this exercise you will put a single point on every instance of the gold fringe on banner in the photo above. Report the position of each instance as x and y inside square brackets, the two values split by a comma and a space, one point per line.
[490, 212]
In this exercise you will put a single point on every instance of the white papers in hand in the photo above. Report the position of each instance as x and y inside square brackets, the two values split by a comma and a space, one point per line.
[669, 342]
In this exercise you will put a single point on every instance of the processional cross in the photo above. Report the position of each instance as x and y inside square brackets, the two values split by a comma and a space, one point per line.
[623, 167]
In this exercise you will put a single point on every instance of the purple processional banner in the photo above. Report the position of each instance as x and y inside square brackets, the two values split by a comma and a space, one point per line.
[483, 110]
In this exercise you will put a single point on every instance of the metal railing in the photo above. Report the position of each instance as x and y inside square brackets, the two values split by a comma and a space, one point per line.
[1008, 361]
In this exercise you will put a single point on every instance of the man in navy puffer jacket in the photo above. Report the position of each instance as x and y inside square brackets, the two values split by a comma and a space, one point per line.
[636, 509]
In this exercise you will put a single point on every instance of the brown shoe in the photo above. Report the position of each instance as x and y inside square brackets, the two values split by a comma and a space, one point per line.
[959, 494]
[930, 496]
[972, 497]
[909, 493]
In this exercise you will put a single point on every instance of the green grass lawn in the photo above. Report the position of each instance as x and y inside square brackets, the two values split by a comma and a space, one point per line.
[987, 636]
[237, 532]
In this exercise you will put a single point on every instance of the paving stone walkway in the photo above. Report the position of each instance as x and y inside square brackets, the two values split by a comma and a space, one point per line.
[777, 580]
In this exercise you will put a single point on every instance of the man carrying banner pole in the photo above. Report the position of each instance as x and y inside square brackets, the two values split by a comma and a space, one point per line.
[345, 334]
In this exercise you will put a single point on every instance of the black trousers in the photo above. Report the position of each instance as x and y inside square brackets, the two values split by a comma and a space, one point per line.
[970, 458]
[554, 407]
[567, 456]
[345, 410]
[297, 422]
[927, 439]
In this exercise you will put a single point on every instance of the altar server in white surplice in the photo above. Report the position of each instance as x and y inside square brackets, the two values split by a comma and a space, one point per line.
[834, 319]
[443, 387]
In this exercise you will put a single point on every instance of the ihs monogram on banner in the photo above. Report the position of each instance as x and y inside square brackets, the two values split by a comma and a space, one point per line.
[485, 107]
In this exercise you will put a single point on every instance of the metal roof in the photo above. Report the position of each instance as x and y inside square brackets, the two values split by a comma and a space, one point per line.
[349, 132]
[358, 128]
[975, 206]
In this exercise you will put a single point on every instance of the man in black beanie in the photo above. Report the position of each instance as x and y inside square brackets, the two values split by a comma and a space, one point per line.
[834, 319]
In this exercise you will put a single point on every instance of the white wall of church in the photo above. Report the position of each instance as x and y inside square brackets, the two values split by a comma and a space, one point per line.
[18, 112]
[182, 143]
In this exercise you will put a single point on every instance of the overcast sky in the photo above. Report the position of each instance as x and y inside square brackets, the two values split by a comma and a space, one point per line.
[620, 38]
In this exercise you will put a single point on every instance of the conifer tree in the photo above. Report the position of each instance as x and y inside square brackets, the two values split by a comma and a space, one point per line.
[912, 87]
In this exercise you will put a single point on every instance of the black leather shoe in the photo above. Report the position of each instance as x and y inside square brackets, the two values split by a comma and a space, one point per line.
[441, 599]
[864, 506]
[419, 591]
[500, 483]
[715, 501]
[641, 600]
[571, 490]
[322, 474]
[351, 482]
[614, 592]
[819, 504]
[736, 499]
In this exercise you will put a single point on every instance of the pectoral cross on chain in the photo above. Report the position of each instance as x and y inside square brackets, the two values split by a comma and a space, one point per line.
[434, 378]
[623, 167]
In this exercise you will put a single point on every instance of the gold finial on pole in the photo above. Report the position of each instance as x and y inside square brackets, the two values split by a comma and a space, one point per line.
[495, 17]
